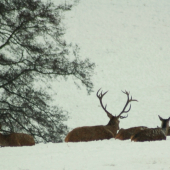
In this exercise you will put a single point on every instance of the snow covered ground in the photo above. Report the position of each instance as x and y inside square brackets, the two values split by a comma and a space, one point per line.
[100, 155]
[130, 43]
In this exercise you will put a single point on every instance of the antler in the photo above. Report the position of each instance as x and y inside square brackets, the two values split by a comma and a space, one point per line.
[128, 101]
[100, 96]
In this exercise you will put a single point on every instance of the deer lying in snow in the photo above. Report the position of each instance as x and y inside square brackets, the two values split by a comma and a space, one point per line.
[100, 132]
[153, 134]
[125, 134]
[16, 139]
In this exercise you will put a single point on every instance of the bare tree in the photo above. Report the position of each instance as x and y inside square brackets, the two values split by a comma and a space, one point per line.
[32, 50]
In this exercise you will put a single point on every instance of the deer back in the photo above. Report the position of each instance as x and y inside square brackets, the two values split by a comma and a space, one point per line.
[150, 134]
[90, 133]
[16, 139]
[125, 134]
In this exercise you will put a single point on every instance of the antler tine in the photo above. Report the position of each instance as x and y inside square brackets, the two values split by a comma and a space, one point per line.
[127, 110]
[128, 101]
[100, 96]
[126, 92]
[122, 117]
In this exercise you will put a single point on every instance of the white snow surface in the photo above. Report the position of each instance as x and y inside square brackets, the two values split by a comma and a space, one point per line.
[129, 41]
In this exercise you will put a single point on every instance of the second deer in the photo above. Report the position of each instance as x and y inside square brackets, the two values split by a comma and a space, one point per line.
[125, 134]
[153, 134]
[100, 132]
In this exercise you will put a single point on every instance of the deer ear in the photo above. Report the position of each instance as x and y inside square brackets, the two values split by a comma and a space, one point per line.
[160, 117]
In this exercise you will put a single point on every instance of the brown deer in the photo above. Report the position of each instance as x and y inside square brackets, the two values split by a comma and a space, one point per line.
[16, 139]
[153, 134]
[90, 133]
[125, 134]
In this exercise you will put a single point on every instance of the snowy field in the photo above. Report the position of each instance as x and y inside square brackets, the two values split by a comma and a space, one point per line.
[101, 155]
[130, 43]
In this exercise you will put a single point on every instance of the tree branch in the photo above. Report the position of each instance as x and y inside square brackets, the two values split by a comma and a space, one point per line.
[13, 32]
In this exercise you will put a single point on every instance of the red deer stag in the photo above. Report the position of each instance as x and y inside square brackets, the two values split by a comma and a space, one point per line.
[16, 139]
[90, 133]
[152, 134]
[125, 134]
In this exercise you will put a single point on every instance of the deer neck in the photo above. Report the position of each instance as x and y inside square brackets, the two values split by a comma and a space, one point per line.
[114, 123]
[165, 131]
[165, 127]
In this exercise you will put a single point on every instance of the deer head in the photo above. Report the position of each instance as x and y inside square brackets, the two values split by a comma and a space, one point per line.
[165, 124]
[114, 120]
